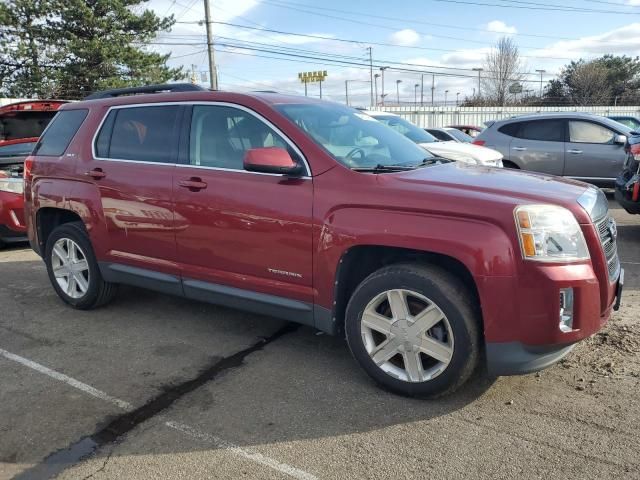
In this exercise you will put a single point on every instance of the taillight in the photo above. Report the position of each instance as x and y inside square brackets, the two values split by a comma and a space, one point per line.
[478, 142]
[28, 167]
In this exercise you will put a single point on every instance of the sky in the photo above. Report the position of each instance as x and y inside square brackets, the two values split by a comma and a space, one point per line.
[445, 39]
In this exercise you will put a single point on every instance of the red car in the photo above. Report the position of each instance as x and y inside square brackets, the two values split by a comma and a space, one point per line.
[20, 126]
[313, 212]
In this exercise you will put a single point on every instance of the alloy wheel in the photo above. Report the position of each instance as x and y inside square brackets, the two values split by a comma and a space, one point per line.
[70, 268]
[407, 335]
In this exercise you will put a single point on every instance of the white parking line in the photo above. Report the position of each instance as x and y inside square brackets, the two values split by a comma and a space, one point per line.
[185, 429]
[68, 380]
[242, 452]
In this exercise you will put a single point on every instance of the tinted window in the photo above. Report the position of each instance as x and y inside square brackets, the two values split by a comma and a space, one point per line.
[24, 124]
[510, 129]
[440, 135]
[17, 149]
[220, 137]
[543, 130]
[58, 136]
[461, 136]
[587, 132]
[146, 134]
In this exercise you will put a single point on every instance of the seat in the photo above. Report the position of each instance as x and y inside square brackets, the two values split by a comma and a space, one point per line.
[215, 146]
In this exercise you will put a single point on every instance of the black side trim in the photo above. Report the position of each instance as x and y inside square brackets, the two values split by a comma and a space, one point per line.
[262, 303]
[324, 320]
[140, 277]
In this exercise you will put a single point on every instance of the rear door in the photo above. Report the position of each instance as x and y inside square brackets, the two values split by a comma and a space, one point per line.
[132, 166]
[591, 153]
[538, 145]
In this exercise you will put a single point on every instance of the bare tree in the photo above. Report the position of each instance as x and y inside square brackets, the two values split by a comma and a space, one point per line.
[502, 68]
[588, 83]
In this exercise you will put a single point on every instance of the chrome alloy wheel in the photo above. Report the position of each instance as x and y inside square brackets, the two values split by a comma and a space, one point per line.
[70, 268]
[407, 335]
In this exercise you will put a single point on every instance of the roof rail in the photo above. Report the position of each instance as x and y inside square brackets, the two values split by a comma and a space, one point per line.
[166, 87]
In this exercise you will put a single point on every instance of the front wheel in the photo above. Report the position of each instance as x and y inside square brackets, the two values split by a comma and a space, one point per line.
[73, 269]
[414, 329]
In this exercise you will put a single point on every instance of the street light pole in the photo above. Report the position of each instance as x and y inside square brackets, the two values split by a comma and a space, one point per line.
[457, 95]
[382, 95]
[415, 95]
[398, 82]
[541, 72]
[433, 87]
[375, 81]
[213, 73]
[479, 70]
[371, 72]
[445, 97]
[346, 92]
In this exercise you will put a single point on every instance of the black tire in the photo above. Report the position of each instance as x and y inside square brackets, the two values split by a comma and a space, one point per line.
[452, 298]
[98, 292]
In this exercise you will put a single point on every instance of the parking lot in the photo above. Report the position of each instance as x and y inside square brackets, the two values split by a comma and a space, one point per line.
[155, 386]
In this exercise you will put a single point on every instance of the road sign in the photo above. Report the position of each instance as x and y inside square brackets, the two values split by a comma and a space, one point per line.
[515, 88]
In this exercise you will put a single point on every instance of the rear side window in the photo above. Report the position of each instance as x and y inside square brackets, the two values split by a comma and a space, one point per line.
[144, 134]
[60, 132]
[543, 130]
[510, 129]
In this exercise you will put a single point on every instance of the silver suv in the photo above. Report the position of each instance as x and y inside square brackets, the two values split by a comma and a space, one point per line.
[577, 145]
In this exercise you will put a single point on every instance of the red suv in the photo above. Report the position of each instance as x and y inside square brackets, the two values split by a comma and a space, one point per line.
[315, 213]
[20, 126]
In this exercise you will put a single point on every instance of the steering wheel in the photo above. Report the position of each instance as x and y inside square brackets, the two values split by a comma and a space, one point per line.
[348, 158]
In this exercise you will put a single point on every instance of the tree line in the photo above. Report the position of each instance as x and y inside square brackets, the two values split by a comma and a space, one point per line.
[70, 48]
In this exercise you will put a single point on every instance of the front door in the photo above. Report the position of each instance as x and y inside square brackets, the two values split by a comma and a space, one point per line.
[248, 231]
[538, 145]
[591, 153]
[132, 166]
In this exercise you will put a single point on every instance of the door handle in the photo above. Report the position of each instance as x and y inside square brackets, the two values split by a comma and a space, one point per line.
[194, 184]
[574, 151]
[96, 173]
[519, 149]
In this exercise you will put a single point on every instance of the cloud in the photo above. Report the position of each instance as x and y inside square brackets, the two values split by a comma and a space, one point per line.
[633, 3]
[621, 40]
[405, 38]
[498, 26]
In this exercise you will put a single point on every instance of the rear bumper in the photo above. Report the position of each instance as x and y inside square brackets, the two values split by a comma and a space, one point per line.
[630, 206]
[515, 358]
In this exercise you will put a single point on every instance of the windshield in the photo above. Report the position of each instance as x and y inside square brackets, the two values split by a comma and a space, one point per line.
[353, 138]
[461, 136]
[408, 129]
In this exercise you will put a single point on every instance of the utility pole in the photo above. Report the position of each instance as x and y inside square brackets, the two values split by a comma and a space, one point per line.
[371, 72]
[415, 95]
[213, 72]
[457, 95]
[479, 70]
[433, 87]
[445, 97]
[375, 81]
[382, 95]
[422, 90]
[541, 72]
[320, 82]
[398, 82]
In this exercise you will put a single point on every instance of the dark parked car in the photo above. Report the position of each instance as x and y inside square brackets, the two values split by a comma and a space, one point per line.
[313, 212]
[449, 134]
[576, 145]
[627, 186]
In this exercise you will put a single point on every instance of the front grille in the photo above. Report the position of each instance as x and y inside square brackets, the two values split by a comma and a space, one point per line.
[606, 231]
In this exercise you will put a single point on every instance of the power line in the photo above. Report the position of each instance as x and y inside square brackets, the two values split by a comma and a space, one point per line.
[542, 6]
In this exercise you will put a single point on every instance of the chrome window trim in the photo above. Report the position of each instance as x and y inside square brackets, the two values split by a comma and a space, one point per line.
[204, 103]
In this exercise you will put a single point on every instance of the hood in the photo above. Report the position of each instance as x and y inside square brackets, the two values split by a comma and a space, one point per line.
[475, 188]
[451, 149]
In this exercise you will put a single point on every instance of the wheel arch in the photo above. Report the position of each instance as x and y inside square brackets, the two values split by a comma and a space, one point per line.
[49, 218]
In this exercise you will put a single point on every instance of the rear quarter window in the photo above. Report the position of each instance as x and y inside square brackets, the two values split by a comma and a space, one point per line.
[510, 129]
[60, 132]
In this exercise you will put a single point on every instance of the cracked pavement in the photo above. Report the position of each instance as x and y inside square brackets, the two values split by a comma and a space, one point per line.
[296, 406]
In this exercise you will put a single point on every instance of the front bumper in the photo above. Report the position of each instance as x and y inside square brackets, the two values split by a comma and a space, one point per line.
[515, 358]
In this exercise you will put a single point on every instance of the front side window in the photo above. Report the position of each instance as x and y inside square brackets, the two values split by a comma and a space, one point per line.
[544, 130]
[587, 132]
[220, 136]
[353, 138]
[144, 134]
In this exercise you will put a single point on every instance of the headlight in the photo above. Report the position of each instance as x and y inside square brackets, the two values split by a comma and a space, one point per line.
[549, 233]
[13, 185]
[460, 157]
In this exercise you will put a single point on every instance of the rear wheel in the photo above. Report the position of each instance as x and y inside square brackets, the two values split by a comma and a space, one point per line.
[73, 269]
[414, 330]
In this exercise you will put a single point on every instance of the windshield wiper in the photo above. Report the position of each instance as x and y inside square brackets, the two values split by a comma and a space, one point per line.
[384, 168]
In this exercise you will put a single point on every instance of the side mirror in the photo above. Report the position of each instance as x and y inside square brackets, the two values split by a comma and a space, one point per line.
[271, 160]
[620, 139]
